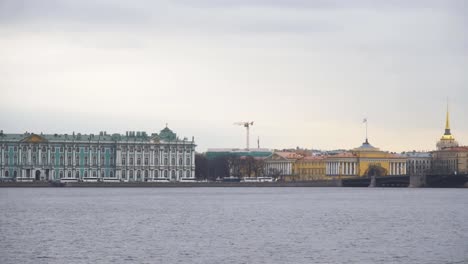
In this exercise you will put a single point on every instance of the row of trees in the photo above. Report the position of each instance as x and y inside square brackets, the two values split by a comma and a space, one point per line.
[225, 166]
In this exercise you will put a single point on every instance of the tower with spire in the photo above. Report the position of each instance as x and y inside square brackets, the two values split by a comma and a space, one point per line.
[447, 140]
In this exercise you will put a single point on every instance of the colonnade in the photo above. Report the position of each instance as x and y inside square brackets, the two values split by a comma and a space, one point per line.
[341, 168]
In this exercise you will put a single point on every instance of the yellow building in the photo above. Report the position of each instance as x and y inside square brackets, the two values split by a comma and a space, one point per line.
[308, 169]
[365, 161]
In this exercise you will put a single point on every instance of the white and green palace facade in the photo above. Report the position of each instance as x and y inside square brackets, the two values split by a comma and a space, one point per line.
[134, 156]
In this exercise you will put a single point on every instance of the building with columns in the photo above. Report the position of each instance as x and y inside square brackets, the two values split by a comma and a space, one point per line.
[134, 156]
[280, 163]
[365, 161]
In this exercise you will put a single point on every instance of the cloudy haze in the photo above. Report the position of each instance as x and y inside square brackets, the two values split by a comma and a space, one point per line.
[307, 72]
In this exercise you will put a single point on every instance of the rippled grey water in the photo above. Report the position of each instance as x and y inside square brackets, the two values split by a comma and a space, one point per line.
[233, 225]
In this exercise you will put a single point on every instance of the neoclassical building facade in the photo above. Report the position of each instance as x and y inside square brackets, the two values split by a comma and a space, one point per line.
[134, 156]
[365, 160]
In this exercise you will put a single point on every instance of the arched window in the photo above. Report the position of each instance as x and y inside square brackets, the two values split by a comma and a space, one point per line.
[111, 161]
[94, 174]
[94, 160]
[131, 161]
[86, 160]
[146, 174]
[102, 160]
[131, 174]
[15, 159]
[69, 160]
[86, 174]
[173, 161]
[188, 161]
[43, 159]
[61, 174]
[181, 174]
[112, 174]
[173, 174]
[77, 174]
[138, 161]
[180, 161]
[61, 160]
[102, 174]
[69, 175]
[6, 174]
[165, 174]
[187, 174]
[138, 175]
[146, 161]
[165, 161]
[123, 160]
[123, 174]
[156, 174]
[43, 149]
[156, 161]
[15, 173]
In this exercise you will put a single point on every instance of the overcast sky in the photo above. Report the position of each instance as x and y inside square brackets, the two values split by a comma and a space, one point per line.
[307, 72]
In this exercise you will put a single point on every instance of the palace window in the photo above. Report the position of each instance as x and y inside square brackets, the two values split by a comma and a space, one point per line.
[138, 175]
[94, 160]
[165, 161]
[138, 161]
[43, 149]
[94, 174]
[111, 160]
[146, 174]
[131, 149]
[102, 160]
[131, 161]
[156, 174]
[188, 161]
[77, 160]
[102, 174]
[131, 174]
[123, 174]
[112, 174]
[77, 174]
[180, 161]
[61, 160]
[156, 161]
[6, 174]
[24, 149]
[173, 161]
[69, 160]
[180, 174]
[146, 161]
[123, 160]
[85, 174]
[61, 174]
[15, 173]
[86, 160]
[165, 174]
[61, 149]
[187, 174]
[69, 174]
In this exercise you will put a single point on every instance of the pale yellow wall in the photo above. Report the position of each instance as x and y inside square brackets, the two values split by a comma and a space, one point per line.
[305, 170]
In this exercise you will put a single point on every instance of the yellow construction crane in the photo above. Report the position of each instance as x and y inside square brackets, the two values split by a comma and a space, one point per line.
[247, 126]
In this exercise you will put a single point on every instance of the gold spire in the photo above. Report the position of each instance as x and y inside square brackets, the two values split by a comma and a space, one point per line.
[447, 119]
[447, 135]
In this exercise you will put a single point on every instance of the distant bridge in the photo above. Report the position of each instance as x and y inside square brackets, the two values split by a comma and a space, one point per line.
[381, 181]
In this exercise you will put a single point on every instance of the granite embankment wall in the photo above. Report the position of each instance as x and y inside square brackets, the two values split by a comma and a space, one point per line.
[177, 184]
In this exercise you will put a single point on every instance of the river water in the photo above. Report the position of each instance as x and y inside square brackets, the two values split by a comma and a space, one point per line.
[233, 225]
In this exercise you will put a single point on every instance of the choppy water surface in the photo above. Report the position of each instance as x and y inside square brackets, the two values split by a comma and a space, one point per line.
[233, 225]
